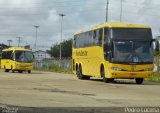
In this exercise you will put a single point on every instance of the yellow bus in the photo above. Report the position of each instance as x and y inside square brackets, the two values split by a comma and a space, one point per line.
[17, 59]
[113, 50]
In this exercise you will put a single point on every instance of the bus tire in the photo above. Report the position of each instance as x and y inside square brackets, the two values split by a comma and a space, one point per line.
[139, 80]
[29, 71]
[6, 70]
[86, 77]
[79, 73]
[105, 80]
[103, 75]
[12, 69]
[20, 71]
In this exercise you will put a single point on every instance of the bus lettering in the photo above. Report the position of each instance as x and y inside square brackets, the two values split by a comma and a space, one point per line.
[81, 53]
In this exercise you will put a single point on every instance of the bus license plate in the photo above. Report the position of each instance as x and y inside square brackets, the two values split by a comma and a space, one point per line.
[132, 74]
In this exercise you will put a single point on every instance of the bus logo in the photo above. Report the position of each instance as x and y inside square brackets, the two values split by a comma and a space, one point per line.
[81, 53]
[133, 67]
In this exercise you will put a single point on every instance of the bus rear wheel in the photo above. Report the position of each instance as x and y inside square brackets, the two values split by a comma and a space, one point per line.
[6, 70]
[139, 80]
[29, 71]
[20, 71]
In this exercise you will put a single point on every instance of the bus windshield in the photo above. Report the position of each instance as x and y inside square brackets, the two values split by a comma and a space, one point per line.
[133, 51]
[24, 56]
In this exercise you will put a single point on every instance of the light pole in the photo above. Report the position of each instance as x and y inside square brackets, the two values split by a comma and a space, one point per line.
[60, 52]
[107, 11]
[9, 42]
[19, 40]
[35, 44]
[121, 12]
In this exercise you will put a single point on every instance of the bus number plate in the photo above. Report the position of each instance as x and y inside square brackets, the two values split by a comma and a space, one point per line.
[132, 74]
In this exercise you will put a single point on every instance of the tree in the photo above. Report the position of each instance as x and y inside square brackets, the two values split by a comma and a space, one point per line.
[3, 46]
[66, 49]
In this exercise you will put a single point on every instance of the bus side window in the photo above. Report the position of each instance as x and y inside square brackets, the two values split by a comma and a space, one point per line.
[97, 37]
[8, 55]
[3, 55]
[12, 56]
[100, 37]
[94, 37]
[107, 44]
[74, 42]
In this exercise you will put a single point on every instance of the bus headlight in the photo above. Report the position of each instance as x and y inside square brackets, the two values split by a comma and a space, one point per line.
[116, 69]
[148, 69]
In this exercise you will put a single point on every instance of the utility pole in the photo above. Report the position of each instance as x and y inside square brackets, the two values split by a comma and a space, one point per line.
[9, 42]
[19, 41]
[60, 52]
[107, 11]
[121, 12]
[35, 44]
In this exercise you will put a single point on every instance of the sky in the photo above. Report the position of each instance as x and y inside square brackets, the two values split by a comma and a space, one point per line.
[18, 18]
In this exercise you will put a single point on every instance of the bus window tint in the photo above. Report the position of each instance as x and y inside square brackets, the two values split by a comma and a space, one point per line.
[6, 54]
[28, 56]
[100, 34]
[24, 56]
[87, 39]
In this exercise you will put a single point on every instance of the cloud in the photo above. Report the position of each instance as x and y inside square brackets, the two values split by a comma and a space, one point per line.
[18, 18]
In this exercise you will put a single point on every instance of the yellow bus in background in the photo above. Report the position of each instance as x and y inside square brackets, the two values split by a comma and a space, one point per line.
[17, 59]
[113, 50]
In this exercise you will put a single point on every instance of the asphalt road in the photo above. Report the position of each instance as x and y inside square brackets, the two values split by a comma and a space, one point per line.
[47, 90]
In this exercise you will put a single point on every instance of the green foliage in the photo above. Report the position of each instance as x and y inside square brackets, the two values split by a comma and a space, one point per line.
[155, 78]
[66, 47]
[3, 46]
[54, 50]
[156, 52]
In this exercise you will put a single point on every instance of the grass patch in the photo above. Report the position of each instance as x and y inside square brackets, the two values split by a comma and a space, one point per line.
[55, 68]
[155, 78]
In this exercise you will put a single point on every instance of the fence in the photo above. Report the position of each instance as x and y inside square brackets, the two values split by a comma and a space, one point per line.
[64, 63]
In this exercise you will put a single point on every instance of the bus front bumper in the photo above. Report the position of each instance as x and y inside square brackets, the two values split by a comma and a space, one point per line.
[129, 75]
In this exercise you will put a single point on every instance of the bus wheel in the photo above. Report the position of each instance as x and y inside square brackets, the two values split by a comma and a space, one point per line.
[103, 74]
[139, 80]
[86, 77]
[29, 71]
[20, 71]
[12, 69]
[6, 70]
[106, 80]
[79, 73]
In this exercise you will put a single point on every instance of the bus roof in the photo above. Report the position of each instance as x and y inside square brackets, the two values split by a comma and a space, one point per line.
[16, 48]
[115, 25]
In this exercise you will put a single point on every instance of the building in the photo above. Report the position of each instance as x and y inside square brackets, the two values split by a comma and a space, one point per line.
[41, 58]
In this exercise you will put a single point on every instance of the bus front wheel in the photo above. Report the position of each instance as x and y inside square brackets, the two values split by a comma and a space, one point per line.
[106, 80]
[139, 80]
[79, 73]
